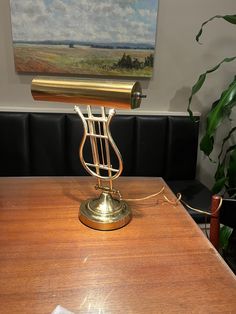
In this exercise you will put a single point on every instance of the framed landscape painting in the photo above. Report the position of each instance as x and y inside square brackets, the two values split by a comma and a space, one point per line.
[84, 37]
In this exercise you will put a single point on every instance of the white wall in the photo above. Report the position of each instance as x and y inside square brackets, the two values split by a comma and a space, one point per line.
[178, 62]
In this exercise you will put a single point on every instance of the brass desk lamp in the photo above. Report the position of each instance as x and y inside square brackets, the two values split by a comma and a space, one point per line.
[105, 212]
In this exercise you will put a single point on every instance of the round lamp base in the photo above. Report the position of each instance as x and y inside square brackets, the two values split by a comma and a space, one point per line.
[105, 213]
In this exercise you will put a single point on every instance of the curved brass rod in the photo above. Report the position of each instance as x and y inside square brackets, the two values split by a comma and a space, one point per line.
[91, 172]
[116, 150]
[107, 148]
[78, 111]
[93, 140]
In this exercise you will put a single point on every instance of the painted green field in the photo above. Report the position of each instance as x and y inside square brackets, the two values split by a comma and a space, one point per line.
[61, 59]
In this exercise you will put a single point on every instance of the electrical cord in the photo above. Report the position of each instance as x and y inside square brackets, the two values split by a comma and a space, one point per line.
[175, 202]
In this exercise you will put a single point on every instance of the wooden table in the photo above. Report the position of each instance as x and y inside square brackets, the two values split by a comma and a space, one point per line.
[159, 263]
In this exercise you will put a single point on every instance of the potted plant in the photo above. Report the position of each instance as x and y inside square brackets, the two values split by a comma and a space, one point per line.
[219, 111]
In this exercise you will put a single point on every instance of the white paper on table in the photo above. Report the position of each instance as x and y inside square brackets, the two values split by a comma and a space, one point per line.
[61, 310]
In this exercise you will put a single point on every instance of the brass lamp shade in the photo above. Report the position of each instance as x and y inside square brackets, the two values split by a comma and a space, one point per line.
[112, 94]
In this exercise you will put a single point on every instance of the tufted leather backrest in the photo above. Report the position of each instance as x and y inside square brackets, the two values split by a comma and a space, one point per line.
[46, 144]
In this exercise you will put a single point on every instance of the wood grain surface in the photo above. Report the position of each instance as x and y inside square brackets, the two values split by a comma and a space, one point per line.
[159, 263]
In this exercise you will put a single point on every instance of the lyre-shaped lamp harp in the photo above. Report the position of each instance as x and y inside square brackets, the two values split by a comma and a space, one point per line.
[108, 211]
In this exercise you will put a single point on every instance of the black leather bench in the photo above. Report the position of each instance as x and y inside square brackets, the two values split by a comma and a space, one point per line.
[46, 144]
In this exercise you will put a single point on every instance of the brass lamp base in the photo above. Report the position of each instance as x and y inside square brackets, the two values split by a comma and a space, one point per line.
[105, 213]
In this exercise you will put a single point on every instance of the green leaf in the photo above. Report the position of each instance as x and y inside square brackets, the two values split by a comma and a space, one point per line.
[224, 141]
[225, 233]
[206, 144]
[220, 172]
[229, 18]
[216, 115]
[220, 176]
[219, 185]
[197, 86]
[232, 168]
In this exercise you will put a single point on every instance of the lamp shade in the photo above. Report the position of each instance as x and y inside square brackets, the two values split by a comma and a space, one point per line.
[107, 93]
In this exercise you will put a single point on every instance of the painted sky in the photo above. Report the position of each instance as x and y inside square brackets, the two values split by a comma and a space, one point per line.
[132, 21]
